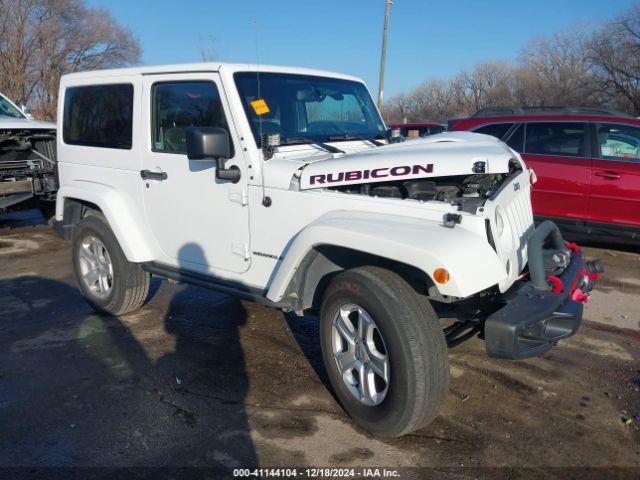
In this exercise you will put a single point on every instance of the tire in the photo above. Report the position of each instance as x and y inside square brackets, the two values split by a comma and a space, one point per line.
[127, 284]
[408, 335]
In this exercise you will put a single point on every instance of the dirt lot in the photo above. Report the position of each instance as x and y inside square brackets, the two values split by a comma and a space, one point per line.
[195, 378]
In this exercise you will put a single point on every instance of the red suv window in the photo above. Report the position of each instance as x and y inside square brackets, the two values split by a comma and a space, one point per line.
[619, 142]
[516, 139]
[497, 130]
[556, 138]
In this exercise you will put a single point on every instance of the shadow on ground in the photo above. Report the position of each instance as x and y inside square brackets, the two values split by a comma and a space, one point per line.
[79, 389]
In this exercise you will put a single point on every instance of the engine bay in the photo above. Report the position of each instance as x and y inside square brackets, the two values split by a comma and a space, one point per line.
[467, 192]
[27, 166]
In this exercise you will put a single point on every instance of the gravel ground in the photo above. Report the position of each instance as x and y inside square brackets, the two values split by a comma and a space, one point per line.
[196, 378]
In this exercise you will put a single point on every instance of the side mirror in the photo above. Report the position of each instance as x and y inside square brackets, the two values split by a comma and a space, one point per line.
[212, 143]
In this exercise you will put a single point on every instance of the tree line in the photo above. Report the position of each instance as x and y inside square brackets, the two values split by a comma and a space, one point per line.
[582, 67]
[41, 40]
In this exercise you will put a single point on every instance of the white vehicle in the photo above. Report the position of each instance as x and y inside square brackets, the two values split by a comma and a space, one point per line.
[281, 185]
[27, 158]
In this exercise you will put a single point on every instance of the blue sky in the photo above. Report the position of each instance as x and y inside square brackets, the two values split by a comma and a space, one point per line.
[427, 38]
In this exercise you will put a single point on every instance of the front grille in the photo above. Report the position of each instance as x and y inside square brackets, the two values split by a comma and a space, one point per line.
[517, 208]
[520, 214]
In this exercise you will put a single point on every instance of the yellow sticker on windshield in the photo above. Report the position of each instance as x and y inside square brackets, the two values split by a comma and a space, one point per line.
[260, 106]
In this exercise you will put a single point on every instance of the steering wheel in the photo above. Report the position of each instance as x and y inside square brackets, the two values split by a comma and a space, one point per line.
[175, 139]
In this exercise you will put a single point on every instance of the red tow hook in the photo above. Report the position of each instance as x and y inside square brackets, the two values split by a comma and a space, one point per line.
[573, 247]
[557, 284]
[579, 296]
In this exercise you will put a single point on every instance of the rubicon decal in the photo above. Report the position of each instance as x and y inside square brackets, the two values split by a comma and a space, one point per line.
[375, 173]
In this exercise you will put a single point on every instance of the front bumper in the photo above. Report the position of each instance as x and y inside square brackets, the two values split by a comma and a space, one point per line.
[538, 313]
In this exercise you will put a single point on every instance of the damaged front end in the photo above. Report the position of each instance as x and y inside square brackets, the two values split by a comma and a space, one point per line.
[27, 166]
[546, 307]
[466, 192]
[463, 172]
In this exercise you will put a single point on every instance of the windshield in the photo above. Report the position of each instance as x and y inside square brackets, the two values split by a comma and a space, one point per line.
[305, 108]
[8, 110]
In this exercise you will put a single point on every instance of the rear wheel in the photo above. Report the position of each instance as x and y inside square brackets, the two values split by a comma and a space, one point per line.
[384, 351]
[108, 281]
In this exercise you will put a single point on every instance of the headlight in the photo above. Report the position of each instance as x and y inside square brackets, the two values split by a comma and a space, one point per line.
[503, 231]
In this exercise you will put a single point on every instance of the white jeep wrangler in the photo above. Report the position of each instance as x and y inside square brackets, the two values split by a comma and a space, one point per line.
[283, 186]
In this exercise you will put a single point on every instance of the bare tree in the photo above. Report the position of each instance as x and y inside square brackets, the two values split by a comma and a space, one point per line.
[576, 67]
[555, 71]
[614, 53]
[487, 84]
[41, 40]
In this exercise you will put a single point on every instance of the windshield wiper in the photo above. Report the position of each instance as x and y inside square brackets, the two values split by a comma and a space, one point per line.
[348, 136]
[298, 140]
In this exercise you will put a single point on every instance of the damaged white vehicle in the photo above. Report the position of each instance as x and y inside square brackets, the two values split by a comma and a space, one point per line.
[283, 186]
[27, 158]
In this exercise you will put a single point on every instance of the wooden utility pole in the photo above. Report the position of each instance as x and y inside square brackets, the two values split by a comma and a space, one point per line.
[383, 55]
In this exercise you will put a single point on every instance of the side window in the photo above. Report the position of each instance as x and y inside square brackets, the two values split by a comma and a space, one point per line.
[98, 116]
[516, 139]
[556, 138]
[497, 130]
[619, 142]
[176, 106]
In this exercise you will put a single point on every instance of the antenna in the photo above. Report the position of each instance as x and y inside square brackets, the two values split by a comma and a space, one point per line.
[266, 201]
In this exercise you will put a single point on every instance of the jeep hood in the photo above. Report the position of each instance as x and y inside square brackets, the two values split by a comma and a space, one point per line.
[446, 154]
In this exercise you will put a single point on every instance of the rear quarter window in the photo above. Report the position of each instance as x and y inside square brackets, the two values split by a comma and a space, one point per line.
[516, 139]
[497, 130]
[98, 116]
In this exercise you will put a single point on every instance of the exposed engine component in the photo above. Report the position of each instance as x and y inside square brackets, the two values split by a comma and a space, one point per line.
[468, 192]
[27, 166]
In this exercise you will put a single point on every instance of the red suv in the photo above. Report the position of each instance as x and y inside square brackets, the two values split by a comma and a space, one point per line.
[587, 161]
[419, 129]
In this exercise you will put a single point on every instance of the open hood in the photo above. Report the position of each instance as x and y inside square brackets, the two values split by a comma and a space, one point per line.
[7, 123]
[445, 154]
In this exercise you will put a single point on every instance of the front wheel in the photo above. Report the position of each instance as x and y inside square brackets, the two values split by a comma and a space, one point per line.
[384, 351]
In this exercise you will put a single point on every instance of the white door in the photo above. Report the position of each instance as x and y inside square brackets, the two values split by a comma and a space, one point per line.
[199, 222]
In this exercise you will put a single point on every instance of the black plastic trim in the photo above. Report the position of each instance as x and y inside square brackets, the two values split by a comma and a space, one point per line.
[211, 282]
[58, 227]
[149, 175]
[533, 321]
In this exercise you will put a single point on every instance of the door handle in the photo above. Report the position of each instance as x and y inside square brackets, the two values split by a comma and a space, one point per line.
[608, 175]
[149, 175]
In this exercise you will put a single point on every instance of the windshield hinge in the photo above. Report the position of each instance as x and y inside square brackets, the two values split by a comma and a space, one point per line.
[479, 167]
[240, 249]
[240, 197]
